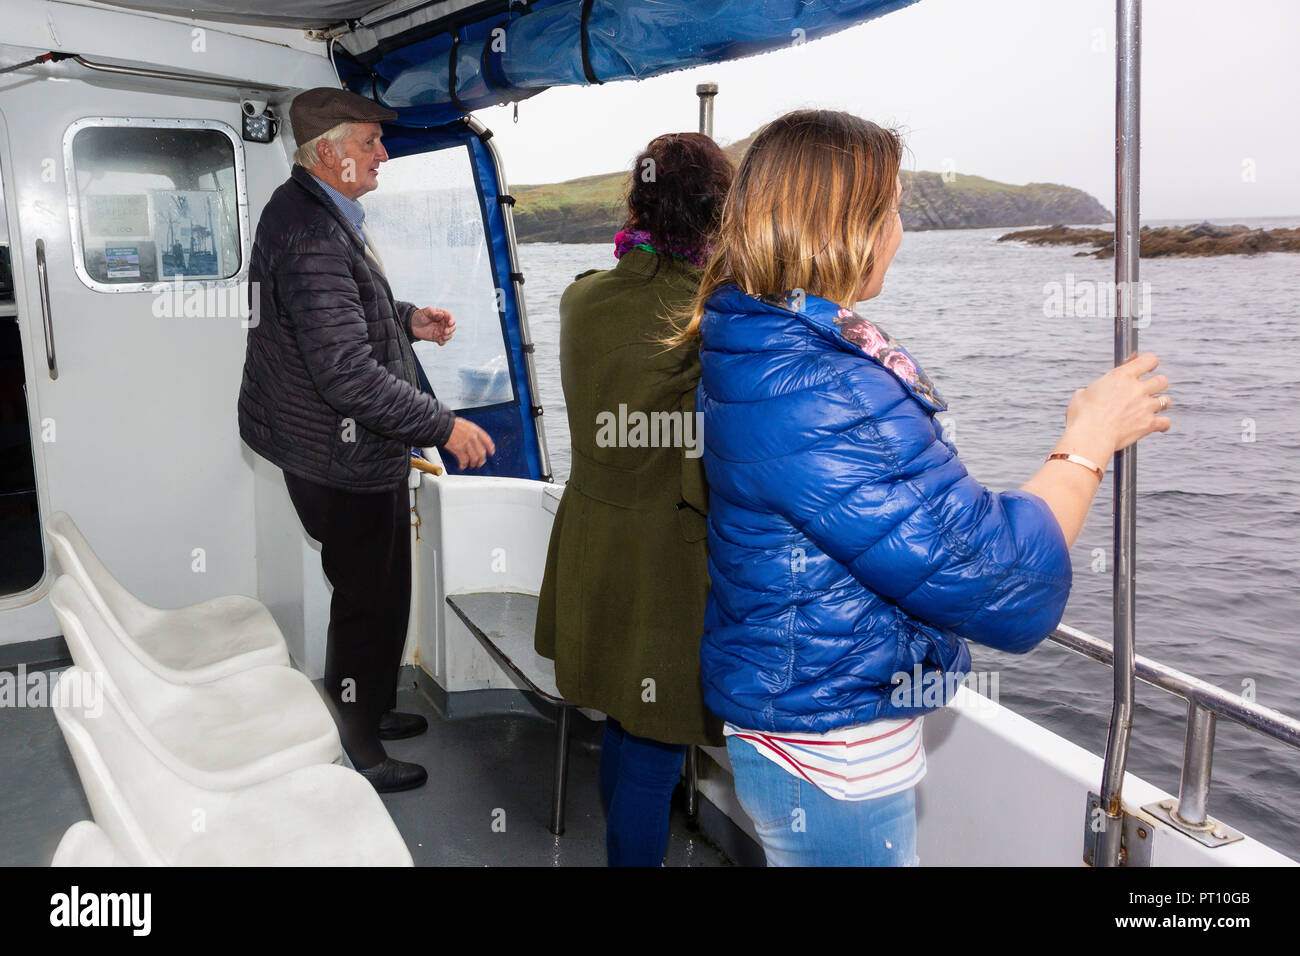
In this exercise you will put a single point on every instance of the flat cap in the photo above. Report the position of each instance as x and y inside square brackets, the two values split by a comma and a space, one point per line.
[317, 110]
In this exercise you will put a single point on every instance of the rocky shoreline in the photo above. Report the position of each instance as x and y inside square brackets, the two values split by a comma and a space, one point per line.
[1174, 242]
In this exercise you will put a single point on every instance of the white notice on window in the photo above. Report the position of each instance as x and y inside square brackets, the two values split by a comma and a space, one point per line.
[117, 215]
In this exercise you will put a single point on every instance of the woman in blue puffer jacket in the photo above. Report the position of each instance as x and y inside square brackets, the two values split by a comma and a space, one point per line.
[850, 551]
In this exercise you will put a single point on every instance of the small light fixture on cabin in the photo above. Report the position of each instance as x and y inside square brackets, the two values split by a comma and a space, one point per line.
[260, 123]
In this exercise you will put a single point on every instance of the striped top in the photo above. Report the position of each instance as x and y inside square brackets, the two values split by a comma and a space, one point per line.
[858, 762]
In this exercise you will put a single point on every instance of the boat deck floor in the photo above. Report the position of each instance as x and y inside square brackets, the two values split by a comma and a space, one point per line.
[483, 770]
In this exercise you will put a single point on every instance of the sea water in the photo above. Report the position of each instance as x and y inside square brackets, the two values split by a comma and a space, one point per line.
[1218, 496]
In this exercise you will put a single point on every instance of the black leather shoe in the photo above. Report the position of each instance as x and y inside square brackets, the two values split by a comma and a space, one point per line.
[392, 775]
[397, 726]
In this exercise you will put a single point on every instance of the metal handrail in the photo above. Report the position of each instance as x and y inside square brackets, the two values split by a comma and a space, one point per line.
[1265, 720]
[238, 84]
[1205, 703]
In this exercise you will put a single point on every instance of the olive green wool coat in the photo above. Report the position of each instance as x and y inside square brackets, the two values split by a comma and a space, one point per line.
[621, 609]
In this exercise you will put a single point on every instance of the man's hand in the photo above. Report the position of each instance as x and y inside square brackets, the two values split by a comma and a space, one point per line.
[433, 325]
[470, 444]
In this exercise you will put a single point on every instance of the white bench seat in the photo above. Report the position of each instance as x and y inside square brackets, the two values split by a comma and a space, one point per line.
[223, 734]
[85, 844]
[321, 815]
[189, 645]
[204, 638]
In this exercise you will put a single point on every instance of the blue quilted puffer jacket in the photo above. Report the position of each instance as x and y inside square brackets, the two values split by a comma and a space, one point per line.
[847, 543]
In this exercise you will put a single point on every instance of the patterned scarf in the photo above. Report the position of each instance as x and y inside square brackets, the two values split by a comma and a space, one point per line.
[640, 239]
[875, 342]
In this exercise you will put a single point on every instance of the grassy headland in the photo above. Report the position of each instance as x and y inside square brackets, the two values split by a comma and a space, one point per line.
[591, 208]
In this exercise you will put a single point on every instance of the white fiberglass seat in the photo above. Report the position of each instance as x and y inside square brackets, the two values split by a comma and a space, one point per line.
[323, 815]
[188, 645]
[85, 844]
[223, 734]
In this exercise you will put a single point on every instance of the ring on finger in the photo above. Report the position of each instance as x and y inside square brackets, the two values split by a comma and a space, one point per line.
[1164, 402]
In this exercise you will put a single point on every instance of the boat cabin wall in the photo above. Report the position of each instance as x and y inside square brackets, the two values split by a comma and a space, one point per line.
[112, 183]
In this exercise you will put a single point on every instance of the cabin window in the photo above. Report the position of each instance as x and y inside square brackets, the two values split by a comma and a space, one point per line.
[427, 223]
[155, 201]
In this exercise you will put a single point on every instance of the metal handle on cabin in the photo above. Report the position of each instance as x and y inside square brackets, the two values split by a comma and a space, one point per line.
[47, 314]
[428, 467]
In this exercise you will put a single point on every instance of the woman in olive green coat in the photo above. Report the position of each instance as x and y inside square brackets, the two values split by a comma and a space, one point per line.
[622, 603]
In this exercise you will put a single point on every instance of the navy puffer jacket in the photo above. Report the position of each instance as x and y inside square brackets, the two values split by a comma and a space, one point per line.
[330, 390]
[847, 543]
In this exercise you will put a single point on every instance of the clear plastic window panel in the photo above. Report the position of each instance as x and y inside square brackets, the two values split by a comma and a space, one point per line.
[156, 204]
[426, 222]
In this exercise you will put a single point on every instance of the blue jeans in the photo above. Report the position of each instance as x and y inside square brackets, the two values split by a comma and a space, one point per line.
[637, 777]
[801, 825]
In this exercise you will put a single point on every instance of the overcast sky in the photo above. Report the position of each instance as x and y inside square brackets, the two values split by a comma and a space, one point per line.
[1014, 90]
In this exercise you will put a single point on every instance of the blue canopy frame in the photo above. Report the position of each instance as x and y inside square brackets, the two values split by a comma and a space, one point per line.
[492, 53]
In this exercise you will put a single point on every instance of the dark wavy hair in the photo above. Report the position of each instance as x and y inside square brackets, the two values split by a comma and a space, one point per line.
[676, 191]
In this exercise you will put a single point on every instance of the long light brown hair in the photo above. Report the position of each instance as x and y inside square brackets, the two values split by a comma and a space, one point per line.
[810, 200]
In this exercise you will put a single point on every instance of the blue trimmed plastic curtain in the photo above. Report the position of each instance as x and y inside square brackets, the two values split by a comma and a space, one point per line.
[511, 424]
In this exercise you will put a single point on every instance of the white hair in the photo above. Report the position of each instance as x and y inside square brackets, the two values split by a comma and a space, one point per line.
[306, 155]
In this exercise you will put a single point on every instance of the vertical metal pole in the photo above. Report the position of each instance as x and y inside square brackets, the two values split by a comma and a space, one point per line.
[1128, 47]
[692, 786]
[561, 782]
[1198, 761]
[706, 92]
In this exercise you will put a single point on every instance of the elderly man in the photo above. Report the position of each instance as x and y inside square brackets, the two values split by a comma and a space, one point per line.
[331, 395]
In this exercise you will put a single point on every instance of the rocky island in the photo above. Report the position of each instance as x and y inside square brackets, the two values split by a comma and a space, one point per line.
[591, 208]
[1202, 239]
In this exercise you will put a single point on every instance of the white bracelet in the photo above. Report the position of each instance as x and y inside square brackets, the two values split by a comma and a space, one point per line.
[1079, 460]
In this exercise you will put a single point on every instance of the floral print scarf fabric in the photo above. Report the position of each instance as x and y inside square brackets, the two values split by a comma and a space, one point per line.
[880, 345]
[640, 239]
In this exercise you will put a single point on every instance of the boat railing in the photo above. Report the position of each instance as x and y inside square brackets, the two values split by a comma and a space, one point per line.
[1205, 704]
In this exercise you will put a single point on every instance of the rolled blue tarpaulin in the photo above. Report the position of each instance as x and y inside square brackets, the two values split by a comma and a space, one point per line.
[511, 54]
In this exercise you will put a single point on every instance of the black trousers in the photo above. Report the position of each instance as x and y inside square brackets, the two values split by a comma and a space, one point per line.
[366, 554]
